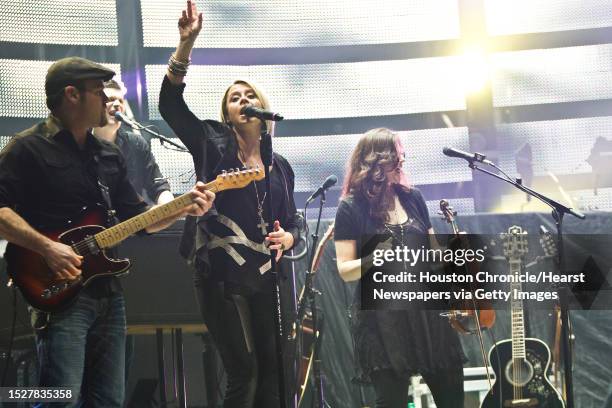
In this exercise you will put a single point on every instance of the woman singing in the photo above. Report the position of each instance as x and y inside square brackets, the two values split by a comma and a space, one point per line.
[230, 248]
[392, 345]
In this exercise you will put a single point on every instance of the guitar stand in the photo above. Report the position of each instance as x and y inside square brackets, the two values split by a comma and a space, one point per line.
[308, 298]
[558, 211]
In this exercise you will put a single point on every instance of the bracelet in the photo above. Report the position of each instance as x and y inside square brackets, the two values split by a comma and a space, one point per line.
[178, 67]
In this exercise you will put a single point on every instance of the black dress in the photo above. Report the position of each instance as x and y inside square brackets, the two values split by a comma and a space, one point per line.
[406, 341]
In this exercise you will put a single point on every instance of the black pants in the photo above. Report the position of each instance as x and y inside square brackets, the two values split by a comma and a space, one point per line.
[242, 327]
[446, 388]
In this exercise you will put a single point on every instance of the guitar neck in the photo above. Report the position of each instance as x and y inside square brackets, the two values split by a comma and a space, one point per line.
[518, 322]
[114, 235]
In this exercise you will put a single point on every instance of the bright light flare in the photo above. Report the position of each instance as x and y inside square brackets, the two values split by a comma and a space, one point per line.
[475, 70]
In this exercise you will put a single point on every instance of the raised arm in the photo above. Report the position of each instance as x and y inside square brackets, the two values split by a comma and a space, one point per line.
[189, 24]
[172, 106]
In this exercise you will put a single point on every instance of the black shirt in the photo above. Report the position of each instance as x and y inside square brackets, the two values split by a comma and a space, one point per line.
[244, 264]
[213, 146]
[142, 170]
[354, 223]
[407, 341]
[47, 179]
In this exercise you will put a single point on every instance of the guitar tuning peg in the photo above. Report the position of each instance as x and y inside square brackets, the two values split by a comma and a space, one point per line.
[224, 172]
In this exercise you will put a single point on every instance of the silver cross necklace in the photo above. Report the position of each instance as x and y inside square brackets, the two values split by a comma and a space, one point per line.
[263, 226]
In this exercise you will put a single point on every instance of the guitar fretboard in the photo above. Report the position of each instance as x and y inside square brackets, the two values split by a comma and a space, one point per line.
[114, 235]
[518, 322]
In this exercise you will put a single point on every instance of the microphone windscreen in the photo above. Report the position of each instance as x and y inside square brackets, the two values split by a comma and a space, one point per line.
[330, 181]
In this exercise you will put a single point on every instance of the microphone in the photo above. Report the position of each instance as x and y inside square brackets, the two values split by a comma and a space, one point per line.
[329, 181]
[135, 125]
[123, 118]
[471, 157]
[255, 112]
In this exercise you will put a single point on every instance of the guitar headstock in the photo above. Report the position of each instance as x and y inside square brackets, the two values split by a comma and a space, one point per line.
[235, 178]
[329, 234]
[447, 212]
[515, 243]
[549, 246]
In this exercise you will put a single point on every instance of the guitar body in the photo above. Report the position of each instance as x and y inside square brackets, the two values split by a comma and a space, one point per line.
[535, 389]
[35, 280]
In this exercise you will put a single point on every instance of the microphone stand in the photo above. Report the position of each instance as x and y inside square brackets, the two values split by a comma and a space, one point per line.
[153, 133]
[309, 296]
[558, 211]
[265, 149]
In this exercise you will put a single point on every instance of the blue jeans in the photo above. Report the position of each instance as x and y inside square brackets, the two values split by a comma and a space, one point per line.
[83, 348]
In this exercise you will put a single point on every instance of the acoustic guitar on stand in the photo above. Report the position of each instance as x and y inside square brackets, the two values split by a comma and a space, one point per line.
[521, 375]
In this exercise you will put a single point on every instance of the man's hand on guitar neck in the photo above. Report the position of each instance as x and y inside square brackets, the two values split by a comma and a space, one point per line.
[62, 260]
[202, 200]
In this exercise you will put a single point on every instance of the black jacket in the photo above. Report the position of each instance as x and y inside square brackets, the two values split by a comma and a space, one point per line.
[142, 169]
[209, 141]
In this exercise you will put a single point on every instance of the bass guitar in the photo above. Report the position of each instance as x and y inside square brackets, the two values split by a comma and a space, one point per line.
[521, 374]
[45, 292]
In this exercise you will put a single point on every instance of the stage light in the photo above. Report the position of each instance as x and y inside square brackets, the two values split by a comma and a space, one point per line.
[322, 155]
[4, 141]
[22, 88]
[506, 17]
[59, 22]
[313, 91]
[298, 23]
[475, 71]
[553, 75]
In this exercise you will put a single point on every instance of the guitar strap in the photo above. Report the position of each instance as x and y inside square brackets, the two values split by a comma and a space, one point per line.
[111, 214]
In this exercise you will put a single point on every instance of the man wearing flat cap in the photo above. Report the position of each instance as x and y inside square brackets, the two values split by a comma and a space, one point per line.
[48, 174]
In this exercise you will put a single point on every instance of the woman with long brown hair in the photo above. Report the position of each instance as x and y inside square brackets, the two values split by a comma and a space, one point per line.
[230, 248]
[392, 345]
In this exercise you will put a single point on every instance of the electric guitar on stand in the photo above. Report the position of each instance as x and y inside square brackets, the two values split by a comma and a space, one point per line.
[38, 284]
[523, 362]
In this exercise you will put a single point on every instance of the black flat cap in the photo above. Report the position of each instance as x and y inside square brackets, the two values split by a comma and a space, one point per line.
[69, 70]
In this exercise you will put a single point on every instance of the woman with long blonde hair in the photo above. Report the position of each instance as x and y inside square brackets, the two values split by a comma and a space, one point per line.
[230, 248]
[392, 345]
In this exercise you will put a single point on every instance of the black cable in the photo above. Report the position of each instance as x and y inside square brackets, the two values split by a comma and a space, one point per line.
[12, 338]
